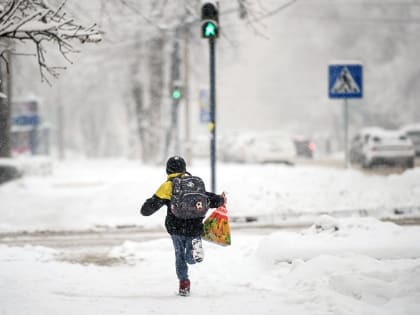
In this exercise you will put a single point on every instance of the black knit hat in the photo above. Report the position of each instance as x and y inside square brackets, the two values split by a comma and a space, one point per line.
[175, 164]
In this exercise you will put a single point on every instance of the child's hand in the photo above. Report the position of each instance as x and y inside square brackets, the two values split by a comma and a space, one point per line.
[224, 198]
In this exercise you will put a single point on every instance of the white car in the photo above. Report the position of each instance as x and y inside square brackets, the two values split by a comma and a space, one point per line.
[375, 145]
[261, 148]
[413, 132]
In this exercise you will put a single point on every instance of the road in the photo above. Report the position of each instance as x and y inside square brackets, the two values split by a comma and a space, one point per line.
[108, 237]
[82, 238]
[94, 246]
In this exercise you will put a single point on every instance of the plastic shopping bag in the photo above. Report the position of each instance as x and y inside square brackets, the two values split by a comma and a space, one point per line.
[216, 227]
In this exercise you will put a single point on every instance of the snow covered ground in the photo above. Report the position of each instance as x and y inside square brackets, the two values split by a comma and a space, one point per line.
[305, 272]
[348, 265]
[83, 194]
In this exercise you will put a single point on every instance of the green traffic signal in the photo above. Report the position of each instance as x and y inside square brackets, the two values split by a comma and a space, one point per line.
[210, 30]
[210, 19]
[176, 94]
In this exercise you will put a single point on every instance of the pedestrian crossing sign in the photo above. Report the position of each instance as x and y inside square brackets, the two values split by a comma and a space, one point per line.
[345, 81]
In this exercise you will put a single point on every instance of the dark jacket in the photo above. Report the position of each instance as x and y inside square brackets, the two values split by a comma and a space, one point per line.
[174, 225]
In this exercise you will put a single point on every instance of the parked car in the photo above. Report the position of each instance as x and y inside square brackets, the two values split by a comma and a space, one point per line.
[413, 132]
[304, 147]
[375, 145]
[9, 170]
[227, 146]
[260, 148]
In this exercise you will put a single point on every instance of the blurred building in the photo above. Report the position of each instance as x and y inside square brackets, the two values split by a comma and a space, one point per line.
[30, 135]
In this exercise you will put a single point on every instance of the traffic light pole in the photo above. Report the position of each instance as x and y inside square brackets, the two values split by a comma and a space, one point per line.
[210, 31]
[212, 43]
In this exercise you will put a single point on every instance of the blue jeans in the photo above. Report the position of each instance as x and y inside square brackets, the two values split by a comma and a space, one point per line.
[183, 254]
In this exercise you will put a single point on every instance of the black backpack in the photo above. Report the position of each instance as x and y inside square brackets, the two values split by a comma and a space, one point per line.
[189, 199]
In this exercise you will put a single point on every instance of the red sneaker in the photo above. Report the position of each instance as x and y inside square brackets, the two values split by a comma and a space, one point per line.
[184, 287]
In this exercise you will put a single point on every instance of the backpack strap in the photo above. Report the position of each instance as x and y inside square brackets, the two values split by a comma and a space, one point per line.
[179, 176]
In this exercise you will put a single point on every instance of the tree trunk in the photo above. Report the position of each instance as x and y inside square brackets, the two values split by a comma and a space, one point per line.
[140, 113]
[148, 97]
[149, 120]
[5, 109]
[150, 127]
[137, 113]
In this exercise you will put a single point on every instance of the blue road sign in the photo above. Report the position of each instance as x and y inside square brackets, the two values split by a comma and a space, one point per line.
[26, 120]
[204, 106]
[345, 81]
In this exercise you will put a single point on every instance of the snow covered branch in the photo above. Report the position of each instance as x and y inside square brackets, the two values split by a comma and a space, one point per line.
[38, 22]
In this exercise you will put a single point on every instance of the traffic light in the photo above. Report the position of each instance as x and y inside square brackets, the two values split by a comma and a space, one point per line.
[176, 91]
[210, 20]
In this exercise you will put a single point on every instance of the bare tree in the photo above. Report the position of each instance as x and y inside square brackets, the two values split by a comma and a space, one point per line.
[38, 22]
[134, 63]
[148, 77]
[157, 30]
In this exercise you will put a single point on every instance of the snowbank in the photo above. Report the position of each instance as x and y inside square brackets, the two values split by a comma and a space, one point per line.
[351, 236]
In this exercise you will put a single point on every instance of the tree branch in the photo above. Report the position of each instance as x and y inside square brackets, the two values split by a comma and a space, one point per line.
[37, 21]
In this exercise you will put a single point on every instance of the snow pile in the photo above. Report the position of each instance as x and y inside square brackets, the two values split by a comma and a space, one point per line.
[36, 165]
[133, 252]
[281, 191]
[328, 236]
[350, 285]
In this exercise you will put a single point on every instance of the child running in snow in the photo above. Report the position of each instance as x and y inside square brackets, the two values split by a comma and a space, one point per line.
[185, 232]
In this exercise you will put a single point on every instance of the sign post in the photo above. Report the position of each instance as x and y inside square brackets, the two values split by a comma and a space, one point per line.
[345, 80]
